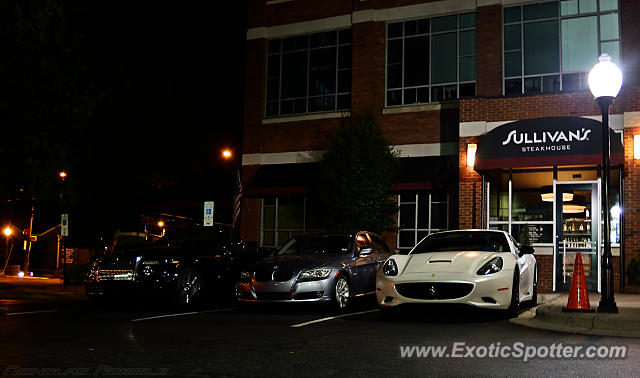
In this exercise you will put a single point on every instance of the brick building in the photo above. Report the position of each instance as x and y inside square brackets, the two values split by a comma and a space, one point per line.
[507, 78]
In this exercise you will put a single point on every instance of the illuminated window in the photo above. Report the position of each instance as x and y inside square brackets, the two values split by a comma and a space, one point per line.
[551, 46]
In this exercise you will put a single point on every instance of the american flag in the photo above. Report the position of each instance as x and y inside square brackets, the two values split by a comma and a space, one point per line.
[236, 200]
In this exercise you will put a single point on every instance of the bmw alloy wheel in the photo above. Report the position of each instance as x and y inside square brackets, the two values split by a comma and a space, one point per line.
[189, 287]
[342, 293]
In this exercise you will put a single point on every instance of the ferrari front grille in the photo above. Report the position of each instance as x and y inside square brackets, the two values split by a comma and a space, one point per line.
[434, 290]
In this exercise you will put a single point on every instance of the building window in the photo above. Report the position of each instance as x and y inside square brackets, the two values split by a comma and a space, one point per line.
[551, 46]
[420, 214]
[309, 73]
[517, 205]
[431, 59]
[286, 216]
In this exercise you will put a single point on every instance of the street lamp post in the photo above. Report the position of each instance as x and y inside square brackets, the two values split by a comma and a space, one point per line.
[605, 81]
[62, 175]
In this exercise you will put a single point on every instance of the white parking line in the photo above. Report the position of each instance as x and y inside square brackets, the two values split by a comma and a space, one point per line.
[331, 318]
[180, 314]
[30, 312]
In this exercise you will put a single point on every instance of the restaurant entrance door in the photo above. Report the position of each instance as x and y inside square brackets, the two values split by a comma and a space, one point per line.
[577, 226]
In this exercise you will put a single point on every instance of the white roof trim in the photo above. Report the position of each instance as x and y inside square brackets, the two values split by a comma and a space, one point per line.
[297, 157]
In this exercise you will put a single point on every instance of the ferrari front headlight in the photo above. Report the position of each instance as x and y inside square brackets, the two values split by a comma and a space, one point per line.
[492, 266]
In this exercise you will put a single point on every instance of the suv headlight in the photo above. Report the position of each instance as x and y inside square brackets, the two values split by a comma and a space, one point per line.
[390, 268]
[492, 266]
[245, 276]
[315, 274]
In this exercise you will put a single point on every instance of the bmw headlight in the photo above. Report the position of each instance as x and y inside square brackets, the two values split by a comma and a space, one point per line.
[315, 274]
[245, 276]
[390, 268]
[492, 266]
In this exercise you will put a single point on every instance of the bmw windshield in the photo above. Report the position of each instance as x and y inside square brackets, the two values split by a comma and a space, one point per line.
[316, 245]
[462, 241]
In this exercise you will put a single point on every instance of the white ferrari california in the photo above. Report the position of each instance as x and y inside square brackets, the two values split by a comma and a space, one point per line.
[481, 268]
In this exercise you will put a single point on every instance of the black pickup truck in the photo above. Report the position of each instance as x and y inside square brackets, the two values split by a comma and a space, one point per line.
[187, 267]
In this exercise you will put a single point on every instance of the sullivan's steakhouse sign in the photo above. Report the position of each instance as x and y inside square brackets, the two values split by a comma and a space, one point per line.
[544, 142]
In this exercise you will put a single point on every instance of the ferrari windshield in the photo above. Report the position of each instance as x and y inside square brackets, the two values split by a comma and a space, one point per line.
[463, 241]
[316, 244]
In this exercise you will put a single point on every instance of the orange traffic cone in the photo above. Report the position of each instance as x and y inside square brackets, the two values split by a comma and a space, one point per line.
[578, 295]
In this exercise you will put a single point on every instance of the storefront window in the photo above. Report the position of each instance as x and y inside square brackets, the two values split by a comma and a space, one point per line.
[530, 196]
[420, 214]
[499, 197]
[287, 216]
[529, 216]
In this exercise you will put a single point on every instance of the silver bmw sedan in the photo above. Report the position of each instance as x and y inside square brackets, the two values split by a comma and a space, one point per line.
[327, 267]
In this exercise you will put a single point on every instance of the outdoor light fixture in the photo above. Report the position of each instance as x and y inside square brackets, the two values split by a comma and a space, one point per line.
[547, 194]
[161, 224]
[636, 147]
[471, 154]
[62, 174]
[605, 81]
[226, 154]
[573, 209]
[548, 197]
[7, 231]
[605, 78]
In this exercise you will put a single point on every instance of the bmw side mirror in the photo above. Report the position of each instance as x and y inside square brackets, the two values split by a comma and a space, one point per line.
[365, 251]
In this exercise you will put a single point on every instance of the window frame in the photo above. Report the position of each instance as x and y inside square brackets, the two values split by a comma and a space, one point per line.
[276, 227]
[430, 230]
[336, 95]
[560, 74]
[429, 67]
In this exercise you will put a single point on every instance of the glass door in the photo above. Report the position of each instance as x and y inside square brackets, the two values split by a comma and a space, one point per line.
[577, 220]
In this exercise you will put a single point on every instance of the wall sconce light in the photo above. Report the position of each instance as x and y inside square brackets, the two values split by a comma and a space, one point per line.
[471, 154]
[636, 147]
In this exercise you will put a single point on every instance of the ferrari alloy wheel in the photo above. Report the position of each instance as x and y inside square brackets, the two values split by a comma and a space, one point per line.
[189, 287]
[341, 293]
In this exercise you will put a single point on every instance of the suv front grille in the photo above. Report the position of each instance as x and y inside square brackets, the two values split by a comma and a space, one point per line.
[434, 290]
[115, 275]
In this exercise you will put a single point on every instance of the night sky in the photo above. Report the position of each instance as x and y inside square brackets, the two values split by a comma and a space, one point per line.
[174, 78]
[169, 79]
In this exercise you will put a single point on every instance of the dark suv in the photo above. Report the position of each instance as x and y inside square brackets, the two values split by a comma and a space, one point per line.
[184, 266]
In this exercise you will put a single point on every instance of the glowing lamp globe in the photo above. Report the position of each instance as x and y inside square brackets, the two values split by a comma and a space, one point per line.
[605, 78]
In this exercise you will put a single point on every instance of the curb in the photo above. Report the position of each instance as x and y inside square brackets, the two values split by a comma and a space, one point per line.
[549, 316]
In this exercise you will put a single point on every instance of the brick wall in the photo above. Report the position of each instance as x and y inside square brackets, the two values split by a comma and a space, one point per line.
[470, 190]
[545, 273]
[368, 70]
[489, 59]
[630, 31]
[631, 196]
[254, 94]
[251, 213]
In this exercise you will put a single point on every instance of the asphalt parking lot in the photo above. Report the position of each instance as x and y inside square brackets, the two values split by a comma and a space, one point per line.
[143, 338]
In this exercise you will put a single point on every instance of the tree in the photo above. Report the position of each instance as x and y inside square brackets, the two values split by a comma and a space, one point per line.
[356, 174]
